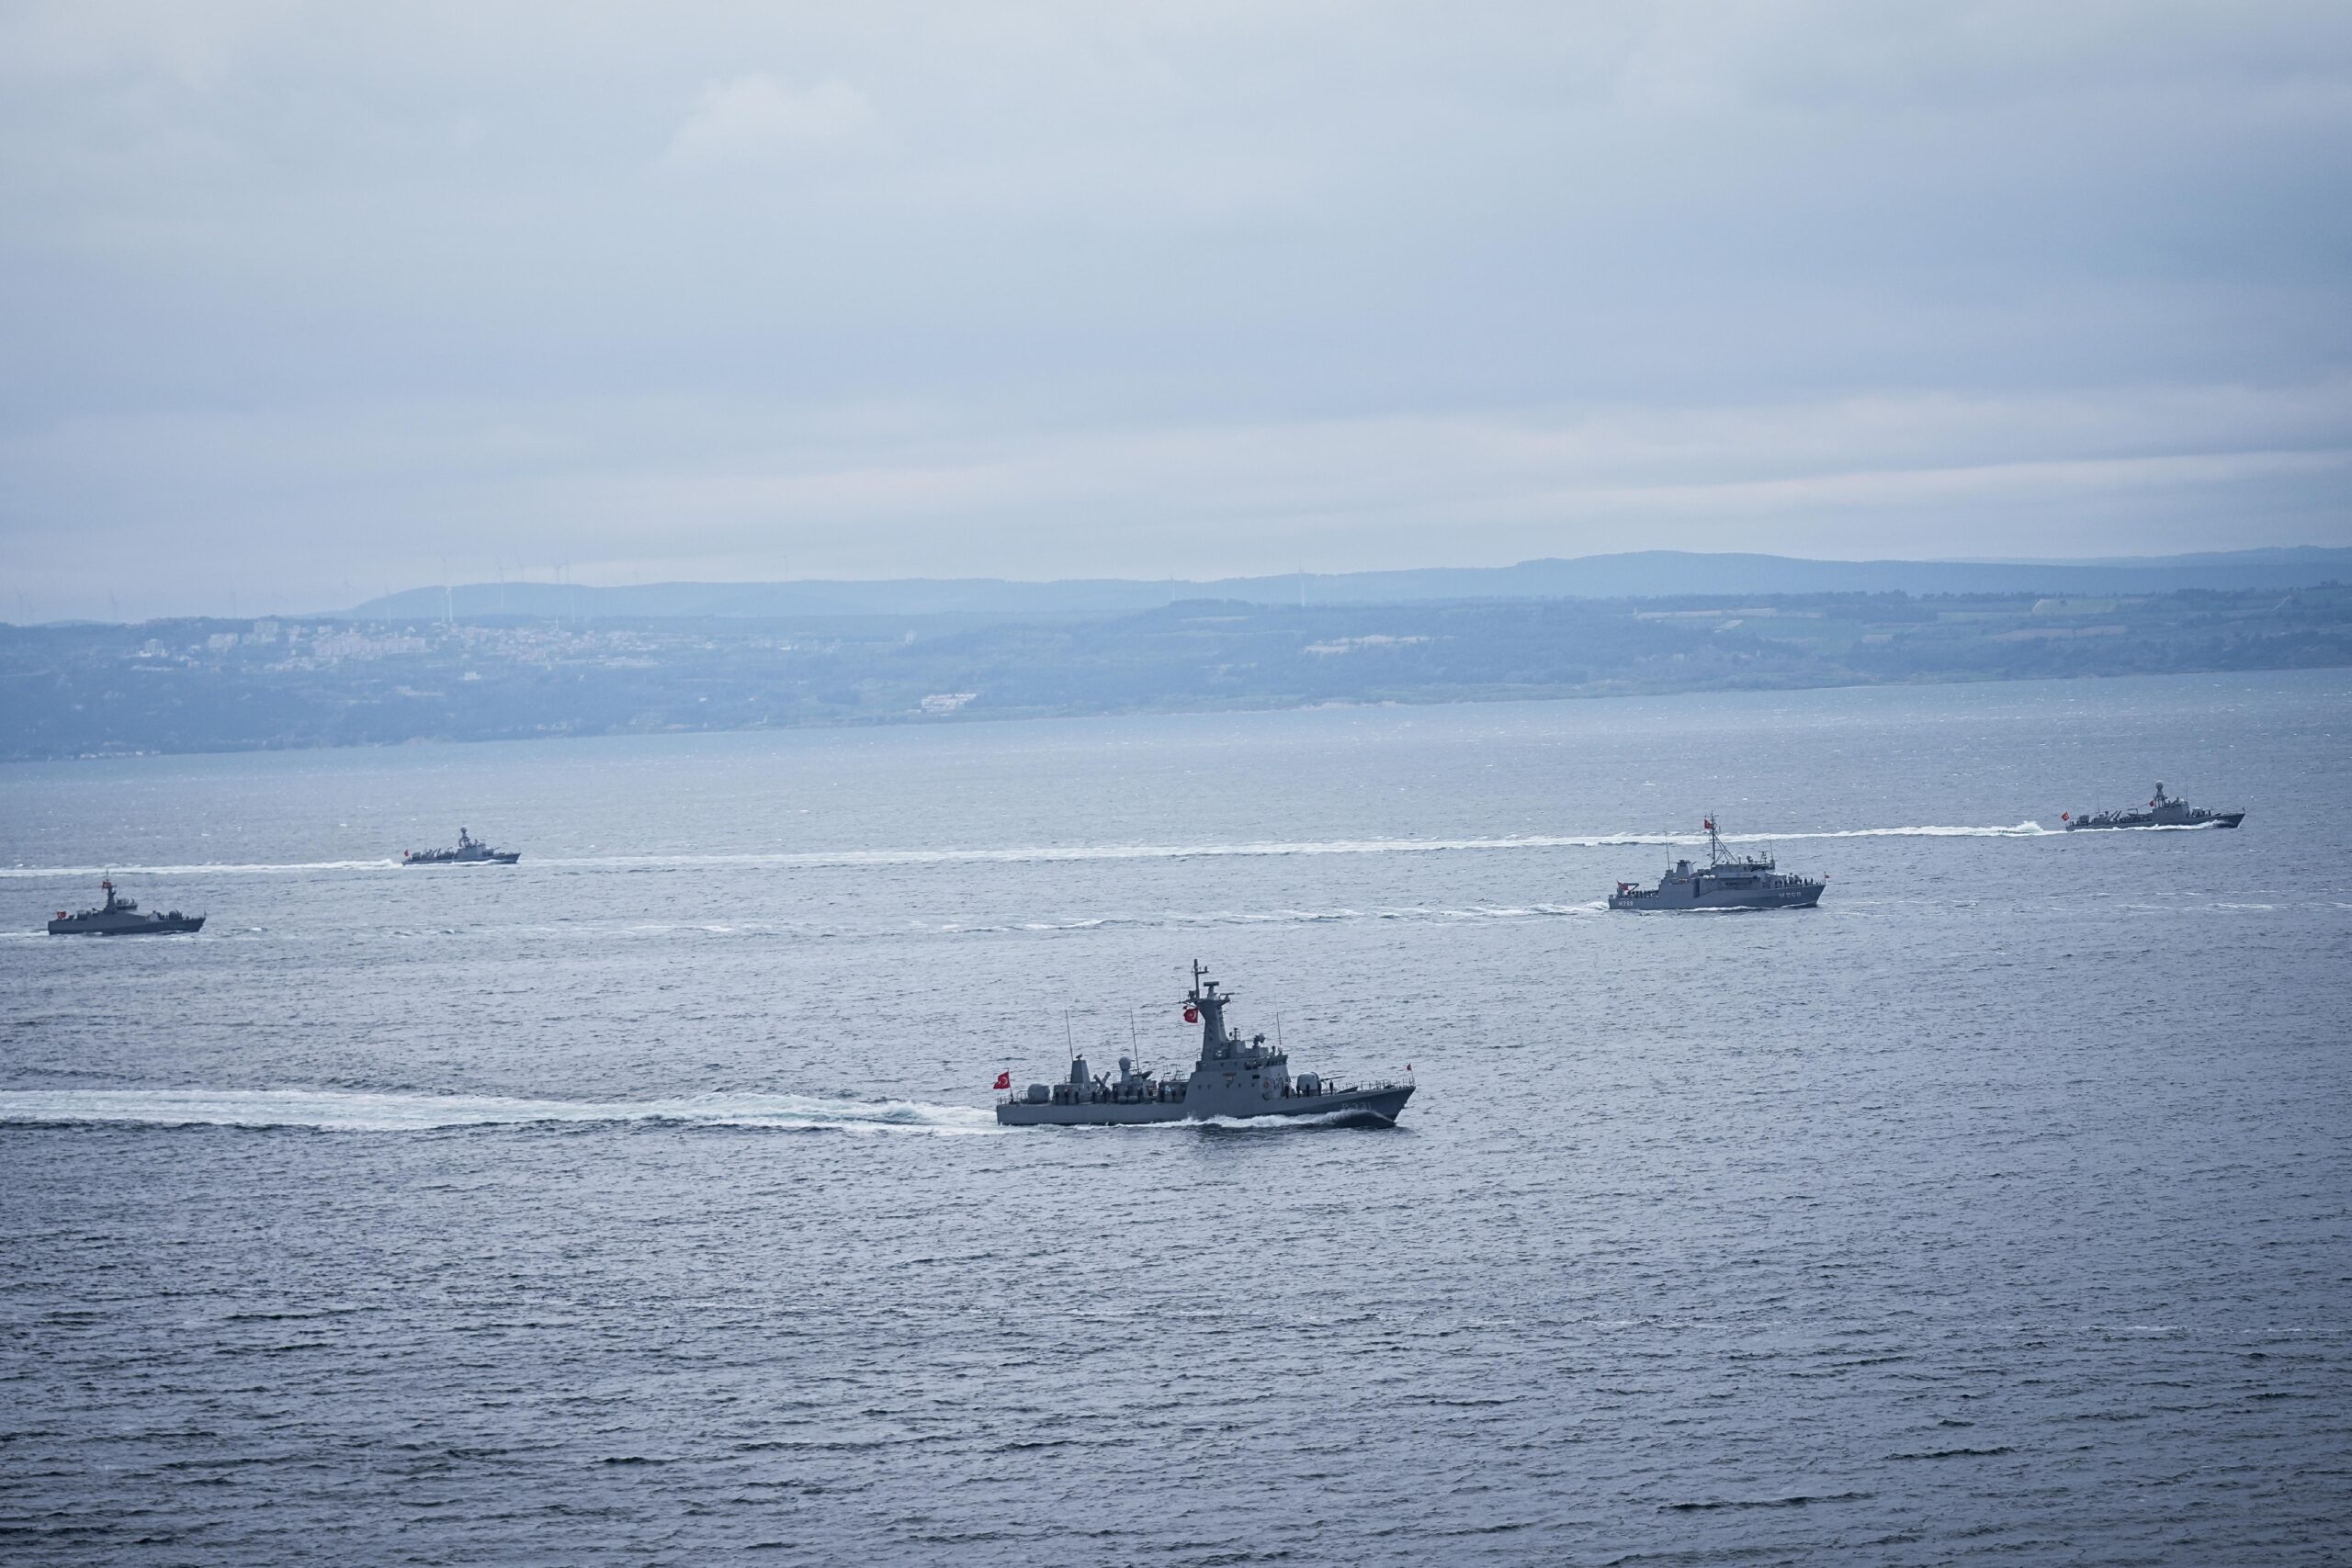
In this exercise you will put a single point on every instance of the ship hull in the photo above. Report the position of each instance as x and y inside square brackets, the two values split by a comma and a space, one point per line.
[2148, 819]
[124, 928]
[1369, 1106]
[1677, 901]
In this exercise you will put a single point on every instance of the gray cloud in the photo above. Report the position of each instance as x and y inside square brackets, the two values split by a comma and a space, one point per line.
[306, 296]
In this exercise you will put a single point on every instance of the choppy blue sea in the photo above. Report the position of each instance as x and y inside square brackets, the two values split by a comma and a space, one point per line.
[642, 1203]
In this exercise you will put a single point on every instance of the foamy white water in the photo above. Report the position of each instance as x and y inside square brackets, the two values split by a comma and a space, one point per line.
[200, 868]
[338, 1111]
[1043, 855]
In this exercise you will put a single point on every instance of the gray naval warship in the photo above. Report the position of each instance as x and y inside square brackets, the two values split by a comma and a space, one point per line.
[122, 917]
[1235, 1078]
[1750, 881]
[471, 851]
[2163, 811]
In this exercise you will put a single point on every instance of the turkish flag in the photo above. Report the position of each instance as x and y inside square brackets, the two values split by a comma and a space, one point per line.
[1003, 1080]
[1192, 1013]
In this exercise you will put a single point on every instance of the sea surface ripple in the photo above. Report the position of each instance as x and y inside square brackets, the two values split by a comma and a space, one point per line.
[642, 1203]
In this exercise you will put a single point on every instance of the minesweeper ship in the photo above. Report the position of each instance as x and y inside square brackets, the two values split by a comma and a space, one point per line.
[2163, 811]
[471, 851]
[1751, 882]
[122, 917]
[1234, 1077]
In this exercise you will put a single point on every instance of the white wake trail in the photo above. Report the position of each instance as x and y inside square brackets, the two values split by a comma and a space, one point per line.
[2021, 830]
[1048, 854]
[338, 1111]
[210, 868]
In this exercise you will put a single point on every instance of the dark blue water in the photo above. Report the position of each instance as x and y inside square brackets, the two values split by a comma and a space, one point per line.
[640, 1204]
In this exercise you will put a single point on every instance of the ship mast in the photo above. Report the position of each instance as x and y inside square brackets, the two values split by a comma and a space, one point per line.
[1203, 999]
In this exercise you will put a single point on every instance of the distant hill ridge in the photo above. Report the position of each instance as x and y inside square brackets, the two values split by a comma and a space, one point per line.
[1640, 574]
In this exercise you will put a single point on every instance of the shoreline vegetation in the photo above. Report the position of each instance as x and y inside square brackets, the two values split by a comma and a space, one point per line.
[281, 682]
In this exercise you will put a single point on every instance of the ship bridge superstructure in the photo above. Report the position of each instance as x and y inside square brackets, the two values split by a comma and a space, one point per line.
[120, 916]
[2162, 811]
[1235, 1076]
[1750, 881]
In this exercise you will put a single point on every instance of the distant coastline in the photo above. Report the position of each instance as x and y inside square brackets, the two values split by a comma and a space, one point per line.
[1638, 574]
[289, 682]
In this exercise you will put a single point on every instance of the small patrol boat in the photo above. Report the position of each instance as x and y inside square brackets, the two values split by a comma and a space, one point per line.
[1749, 882]
[471, 851]
[1234, 1077]
[122, 917]
[2163, 811]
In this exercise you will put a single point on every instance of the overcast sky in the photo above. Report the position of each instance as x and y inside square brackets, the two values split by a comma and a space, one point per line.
[302, 302]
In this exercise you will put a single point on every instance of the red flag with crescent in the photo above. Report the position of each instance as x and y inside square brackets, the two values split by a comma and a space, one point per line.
[1192, 1013]
[1003, 1080]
